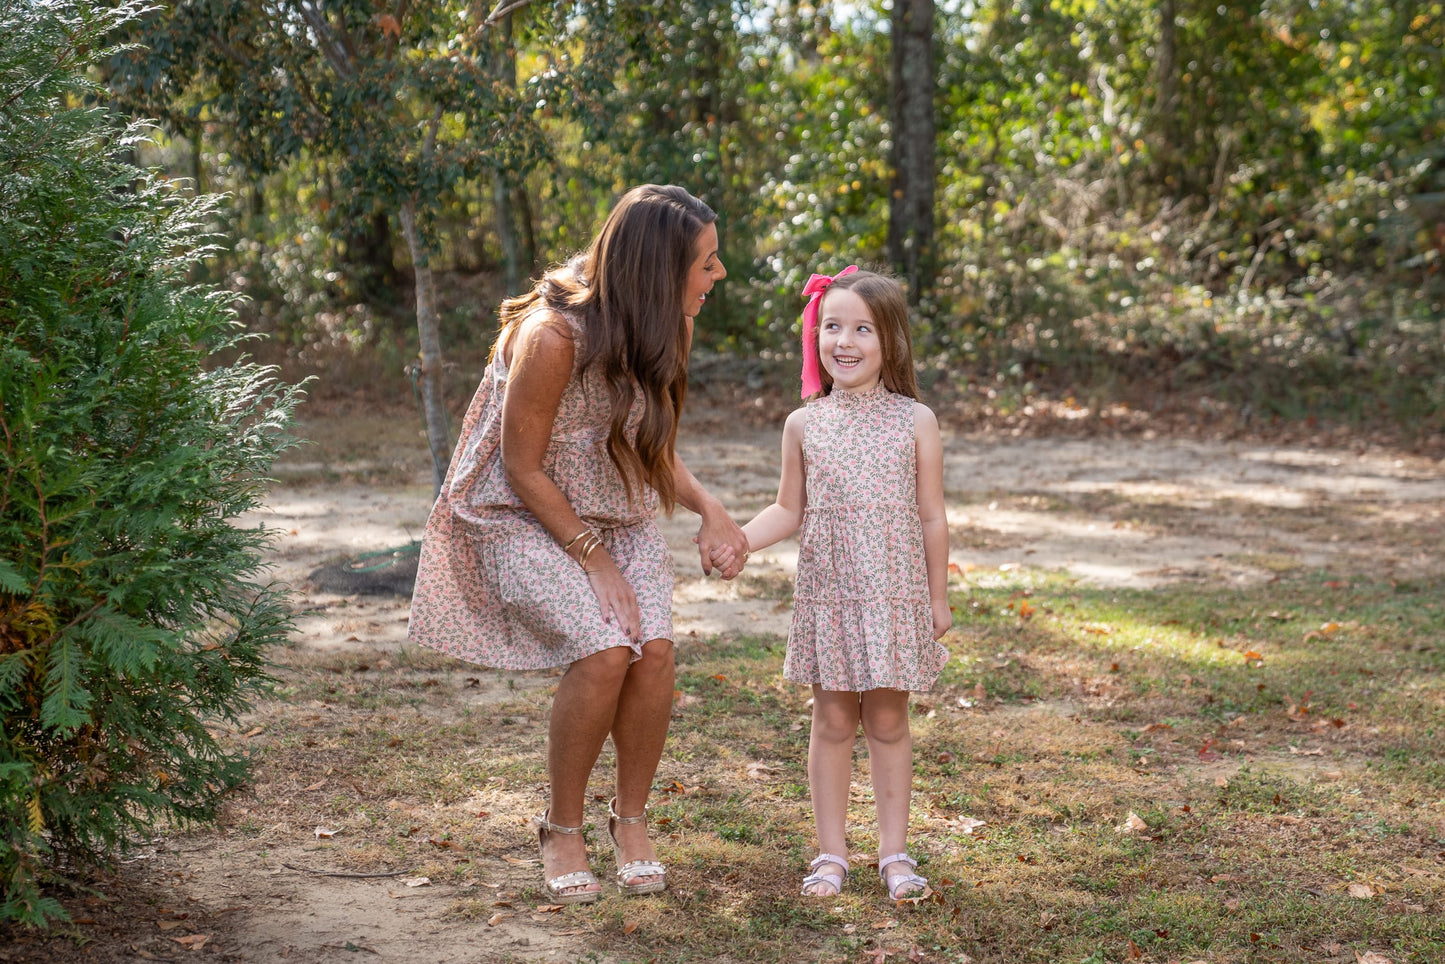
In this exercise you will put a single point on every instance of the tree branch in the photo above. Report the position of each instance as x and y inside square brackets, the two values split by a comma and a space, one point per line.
[503, 8]
[326, 38]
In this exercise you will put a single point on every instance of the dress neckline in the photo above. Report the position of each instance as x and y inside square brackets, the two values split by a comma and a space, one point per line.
[878, 391]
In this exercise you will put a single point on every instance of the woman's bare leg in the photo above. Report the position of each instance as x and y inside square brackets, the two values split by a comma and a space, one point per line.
[582, 713]
[639, 730]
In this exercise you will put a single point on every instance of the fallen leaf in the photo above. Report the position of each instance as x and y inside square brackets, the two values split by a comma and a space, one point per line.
[1332, 775]
[885, 925]
[192, 941]
[549, 908]
[1361, 891]
[967, 824]
[169, 925]
[1132, 824]
[1134, 952]
[326, 834]
[1252, 656]
[253, 731]
[1370, 957]
[496, 919]
[416, 881]
[1099, 630]
[630, 926]
[760, 771]
[315, 786]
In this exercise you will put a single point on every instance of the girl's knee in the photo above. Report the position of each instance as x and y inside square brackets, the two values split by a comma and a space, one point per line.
[886, 724]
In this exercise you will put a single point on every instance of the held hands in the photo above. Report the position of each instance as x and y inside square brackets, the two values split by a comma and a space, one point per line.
[721, 545]
[727, 562]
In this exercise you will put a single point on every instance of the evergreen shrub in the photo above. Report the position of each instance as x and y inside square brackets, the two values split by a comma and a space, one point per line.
[131, 624]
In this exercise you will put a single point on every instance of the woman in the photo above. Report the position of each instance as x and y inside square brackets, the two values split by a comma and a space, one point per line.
[542, 549]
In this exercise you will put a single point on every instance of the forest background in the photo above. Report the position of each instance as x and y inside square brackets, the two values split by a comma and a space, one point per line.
[1238, 206]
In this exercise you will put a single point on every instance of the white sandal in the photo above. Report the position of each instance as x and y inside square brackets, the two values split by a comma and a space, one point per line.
[558, 886]
[897, 882]
[832, 880]
[630, 871]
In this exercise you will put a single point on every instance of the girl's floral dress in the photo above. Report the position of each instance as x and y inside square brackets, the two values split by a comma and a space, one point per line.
[862, 618]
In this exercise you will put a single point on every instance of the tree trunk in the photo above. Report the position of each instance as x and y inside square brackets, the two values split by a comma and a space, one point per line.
[428, 327]
[522, 208]
[502, 64]
[910, 208]
[1167, 107]
[505, 222]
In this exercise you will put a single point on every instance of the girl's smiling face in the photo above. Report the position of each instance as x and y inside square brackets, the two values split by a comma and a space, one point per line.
[848, 343]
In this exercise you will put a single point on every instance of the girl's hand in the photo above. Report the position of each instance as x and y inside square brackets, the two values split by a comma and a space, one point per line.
[615, 596]
[942, 618]
[727, 562]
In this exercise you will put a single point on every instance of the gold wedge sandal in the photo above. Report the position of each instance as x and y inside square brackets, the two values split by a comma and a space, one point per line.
[558, 886]
[630, 871]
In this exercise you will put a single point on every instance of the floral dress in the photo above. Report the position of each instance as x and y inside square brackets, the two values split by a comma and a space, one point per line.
[862, 618]
[493, 587]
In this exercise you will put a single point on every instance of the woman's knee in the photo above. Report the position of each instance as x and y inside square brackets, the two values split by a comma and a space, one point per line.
[656, 656]
[604, 671]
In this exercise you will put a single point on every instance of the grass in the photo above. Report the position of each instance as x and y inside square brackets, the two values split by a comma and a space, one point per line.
[1278, 743]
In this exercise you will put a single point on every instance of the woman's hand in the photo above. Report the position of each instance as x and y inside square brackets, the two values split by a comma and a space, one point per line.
[614, 595]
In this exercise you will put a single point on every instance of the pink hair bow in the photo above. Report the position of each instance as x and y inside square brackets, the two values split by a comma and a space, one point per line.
[813, 291]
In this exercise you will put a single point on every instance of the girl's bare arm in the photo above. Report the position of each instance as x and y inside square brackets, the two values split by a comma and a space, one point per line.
[928, 444]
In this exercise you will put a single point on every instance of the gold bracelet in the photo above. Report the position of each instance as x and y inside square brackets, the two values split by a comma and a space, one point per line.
[568, 546]
[582, 557]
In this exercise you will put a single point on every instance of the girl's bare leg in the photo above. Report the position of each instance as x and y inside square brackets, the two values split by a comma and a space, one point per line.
[830, 773]
[890, 758]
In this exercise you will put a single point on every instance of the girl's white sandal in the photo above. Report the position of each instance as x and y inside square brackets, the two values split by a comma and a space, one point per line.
[832, 880]
[630, 871]
[897, 882]
[557, 888]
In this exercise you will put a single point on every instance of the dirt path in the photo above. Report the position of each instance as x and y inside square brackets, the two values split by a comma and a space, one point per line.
[1110, 511]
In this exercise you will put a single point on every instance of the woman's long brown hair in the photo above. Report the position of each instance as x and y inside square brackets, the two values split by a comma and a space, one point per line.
[627, 289]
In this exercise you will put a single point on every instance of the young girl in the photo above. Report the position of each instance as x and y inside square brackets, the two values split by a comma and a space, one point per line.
[863, 475]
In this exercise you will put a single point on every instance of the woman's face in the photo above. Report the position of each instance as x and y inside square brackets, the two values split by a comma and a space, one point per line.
[707, 270]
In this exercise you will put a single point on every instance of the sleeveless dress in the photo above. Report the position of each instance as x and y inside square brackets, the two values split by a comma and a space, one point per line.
[493, 587]
[862, 617]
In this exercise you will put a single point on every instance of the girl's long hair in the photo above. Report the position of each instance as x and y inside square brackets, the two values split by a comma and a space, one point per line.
[888, 306]
[627, 290]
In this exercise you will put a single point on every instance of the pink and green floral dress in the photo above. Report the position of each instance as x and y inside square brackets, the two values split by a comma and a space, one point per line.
[493, 587]
[862, 618]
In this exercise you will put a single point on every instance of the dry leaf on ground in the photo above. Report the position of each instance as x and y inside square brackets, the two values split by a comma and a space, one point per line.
[1132, 824]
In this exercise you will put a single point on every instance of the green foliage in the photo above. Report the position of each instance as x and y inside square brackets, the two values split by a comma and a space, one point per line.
[128, 618]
